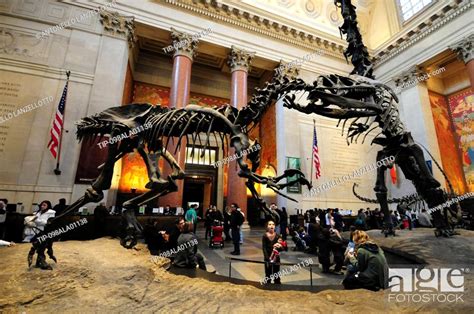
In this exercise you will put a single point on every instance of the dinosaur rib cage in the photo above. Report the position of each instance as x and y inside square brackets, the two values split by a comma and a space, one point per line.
[184, 123]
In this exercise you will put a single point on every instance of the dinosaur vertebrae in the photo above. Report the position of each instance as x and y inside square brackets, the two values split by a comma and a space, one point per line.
[409, 199]
[356, 49]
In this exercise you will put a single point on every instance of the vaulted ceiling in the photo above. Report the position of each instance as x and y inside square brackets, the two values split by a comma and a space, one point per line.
[318, 16]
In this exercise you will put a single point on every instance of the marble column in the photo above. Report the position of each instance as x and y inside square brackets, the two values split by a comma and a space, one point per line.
[465, 51]
[239, 62]
[184, 50]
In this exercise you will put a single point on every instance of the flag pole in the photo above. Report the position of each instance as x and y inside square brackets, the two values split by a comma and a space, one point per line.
[57, 171]
[312, 157]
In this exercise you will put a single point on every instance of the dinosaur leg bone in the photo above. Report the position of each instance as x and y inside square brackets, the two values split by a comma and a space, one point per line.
[153, 171]
[178, 173]
[381, 194]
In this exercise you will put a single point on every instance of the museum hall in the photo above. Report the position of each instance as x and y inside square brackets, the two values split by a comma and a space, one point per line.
[236, 155]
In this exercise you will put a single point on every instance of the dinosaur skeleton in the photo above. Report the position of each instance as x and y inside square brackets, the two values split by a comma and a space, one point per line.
[367, 104]
[370, 105]
[165, 124]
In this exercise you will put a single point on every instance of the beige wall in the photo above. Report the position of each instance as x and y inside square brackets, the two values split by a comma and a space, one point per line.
[97, 63]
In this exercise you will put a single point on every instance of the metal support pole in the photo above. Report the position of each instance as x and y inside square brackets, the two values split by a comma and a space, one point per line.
[230, 268]
[311, 274]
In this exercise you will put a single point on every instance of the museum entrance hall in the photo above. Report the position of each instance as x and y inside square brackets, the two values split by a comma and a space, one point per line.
[236, 156]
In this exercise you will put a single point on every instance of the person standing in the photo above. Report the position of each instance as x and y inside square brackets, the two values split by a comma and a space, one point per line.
[336, 244]
[272, 241]
[208, 220]
[217, 214]
[227, 215]
[243, 220]
[236, 220]
[100, 218]
[60, 207]
[329, 218]
[275, 209]
[338, 222]
[283, 223]
[191, 216]
[167, 210]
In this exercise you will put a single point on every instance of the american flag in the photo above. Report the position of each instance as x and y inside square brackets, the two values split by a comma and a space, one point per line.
[316, 162]
[58, 123]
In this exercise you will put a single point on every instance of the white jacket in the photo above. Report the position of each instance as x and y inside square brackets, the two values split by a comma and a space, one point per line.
[43, 218]
[38, 223]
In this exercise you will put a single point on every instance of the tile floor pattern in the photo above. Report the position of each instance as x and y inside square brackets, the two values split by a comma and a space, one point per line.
[251, 249]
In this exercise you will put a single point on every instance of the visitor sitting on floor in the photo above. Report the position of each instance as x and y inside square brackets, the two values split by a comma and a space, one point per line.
[170, 237]
[372, 268]
[187, 255]
[298, 239]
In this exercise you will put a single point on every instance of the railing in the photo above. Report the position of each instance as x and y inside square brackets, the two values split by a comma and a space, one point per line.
[261, 262]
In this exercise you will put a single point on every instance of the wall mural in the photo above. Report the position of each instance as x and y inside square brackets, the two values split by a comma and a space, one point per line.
[134, 174]
[450, 156]
[461, 105]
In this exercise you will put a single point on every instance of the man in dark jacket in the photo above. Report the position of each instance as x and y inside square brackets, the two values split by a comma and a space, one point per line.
[338, 222]
[208, 220]
[283, 222]
[324, 253]
[227, 216]
[236, 220]
[60, 207]
[100, 220]
[372, 267]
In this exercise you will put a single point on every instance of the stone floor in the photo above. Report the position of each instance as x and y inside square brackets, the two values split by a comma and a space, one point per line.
[251, 249]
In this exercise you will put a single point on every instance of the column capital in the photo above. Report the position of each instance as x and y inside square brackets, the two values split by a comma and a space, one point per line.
[239, 59]
[286, 69]
[119, 25]
[184, 44]
[410, 77]
[464, 49]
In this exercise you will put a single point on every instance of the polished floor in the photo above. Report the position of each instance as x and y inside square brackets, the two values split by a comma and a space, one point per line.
[251, 249]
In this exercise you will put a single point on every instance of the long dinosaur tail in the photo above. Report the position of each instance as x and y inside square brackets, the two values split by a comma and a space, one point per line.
[412, 198]
[356, 49]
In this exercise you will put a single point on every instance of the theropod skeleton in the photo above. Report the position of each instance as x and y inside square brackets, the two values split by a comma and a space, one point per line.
[369, 103]
[368, 106]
